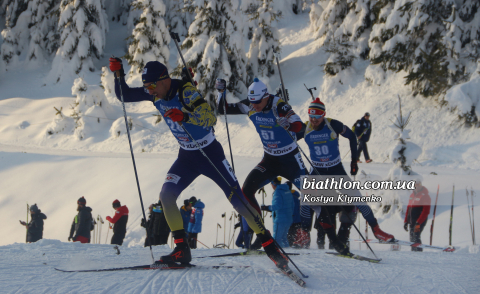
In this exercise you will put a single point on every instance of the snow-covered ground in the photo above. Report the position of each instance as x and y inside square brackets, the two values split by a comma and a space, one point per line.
[55, 170]
[28, 268]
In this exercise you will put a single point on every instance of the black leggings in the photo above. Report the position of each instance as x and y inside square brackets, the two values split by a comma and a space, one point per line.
[289, 166]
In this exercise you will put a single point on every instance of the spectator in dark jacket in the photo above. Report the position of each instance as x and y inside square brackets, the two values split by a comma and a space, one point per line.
[82, 223]
[148, 225]
[417, 213]
[119, 222]
[363, 129]
[195, 225]
[185, 211]
[35, 226]
[161, 230]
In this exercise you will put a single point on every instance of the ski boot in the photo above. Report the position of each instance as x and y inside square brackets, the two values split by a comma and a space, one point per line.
[344, 233]
[181, 253]
[381, 235]
[335, 242]
[280, 260]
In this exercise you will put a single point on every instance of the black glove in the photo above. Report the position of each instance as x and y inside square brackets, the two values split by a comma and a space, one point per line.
[405, 226]
[116, 64]
[69, 238]
[143, 223]
[265, 208]
[353, 168]
[237, 225]
[220, 85]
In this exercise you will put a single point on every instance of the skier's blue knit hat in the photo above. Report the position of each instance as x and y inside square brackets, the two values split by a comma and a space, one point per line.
[154, 71]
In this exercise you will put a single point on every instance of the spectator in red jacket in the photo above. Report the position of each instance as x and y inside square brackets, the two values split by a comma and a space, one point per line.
[119, 222]
[417, 213]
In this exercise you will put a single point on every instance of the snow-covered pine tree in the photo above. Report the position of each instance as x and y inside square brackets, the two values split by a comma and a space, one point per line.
[405, 152]
[402, 156]
[82, 26]
[117, 10]
[149, 39]
[14, 36]
[265, 37]
[215, 47]
[249, 7]
[330, 19]
[407, 35]
[44, 39]
[179, 16]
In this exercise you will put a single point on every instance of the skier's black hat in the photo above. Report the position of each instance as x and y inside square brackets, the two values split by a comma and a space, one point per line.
[154, 71]
[34, 208]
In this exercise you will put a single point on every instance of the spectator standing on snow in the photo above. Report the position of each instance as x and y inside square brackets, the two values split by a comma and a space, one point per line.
[282, 211]
[417, 213]
[195, 225]
[148, 225]
[363, 129]
[185, 211]
[35, 226]
[82, 223]
[161, 230]
[119, 222]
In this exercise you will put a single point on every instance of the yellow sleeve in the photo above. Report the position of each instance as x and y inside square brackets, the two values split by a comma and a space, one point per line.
[203, 114]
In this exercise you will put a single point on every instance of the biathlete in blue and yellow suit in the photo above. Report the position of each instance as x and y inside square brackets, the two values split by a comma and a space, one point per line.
[321, 136]
[273, 118]
[180, 103]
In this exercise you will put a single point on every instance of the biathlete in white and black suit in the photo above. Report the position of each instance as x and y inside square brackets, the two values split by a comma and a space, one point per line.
[271, 117]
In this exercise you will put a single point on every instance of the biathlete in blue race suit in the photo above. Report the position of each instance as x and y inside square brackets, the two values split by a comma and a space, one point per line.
[182, 105]
[321, 136]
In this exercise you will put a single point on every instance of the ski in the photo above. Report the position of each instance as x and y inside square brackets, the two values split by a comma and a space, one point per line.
[156, 266]
[355, 256]
[243, 253]
[406, 243]
[289, 273]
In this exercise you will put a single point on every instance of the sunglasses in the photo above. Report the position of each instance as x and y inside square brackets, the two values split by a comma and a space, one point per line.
[316, 116]
[152, 86]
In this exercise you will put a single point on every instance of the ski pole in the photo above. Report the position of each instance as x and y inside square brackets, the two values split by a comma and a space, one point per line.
[451, 218]
[108, 230]
[262, 226]
[469, 217]
[473, 216]
[200, 242]
[133, 159]
[280, 73]
[176, 39]
[301, 150]
[433, 219]
[26, 227]
[226, 124]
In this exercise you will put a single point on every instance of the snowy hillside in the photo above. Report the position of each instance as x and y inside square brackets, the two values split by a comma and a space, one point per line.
[48, 159]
